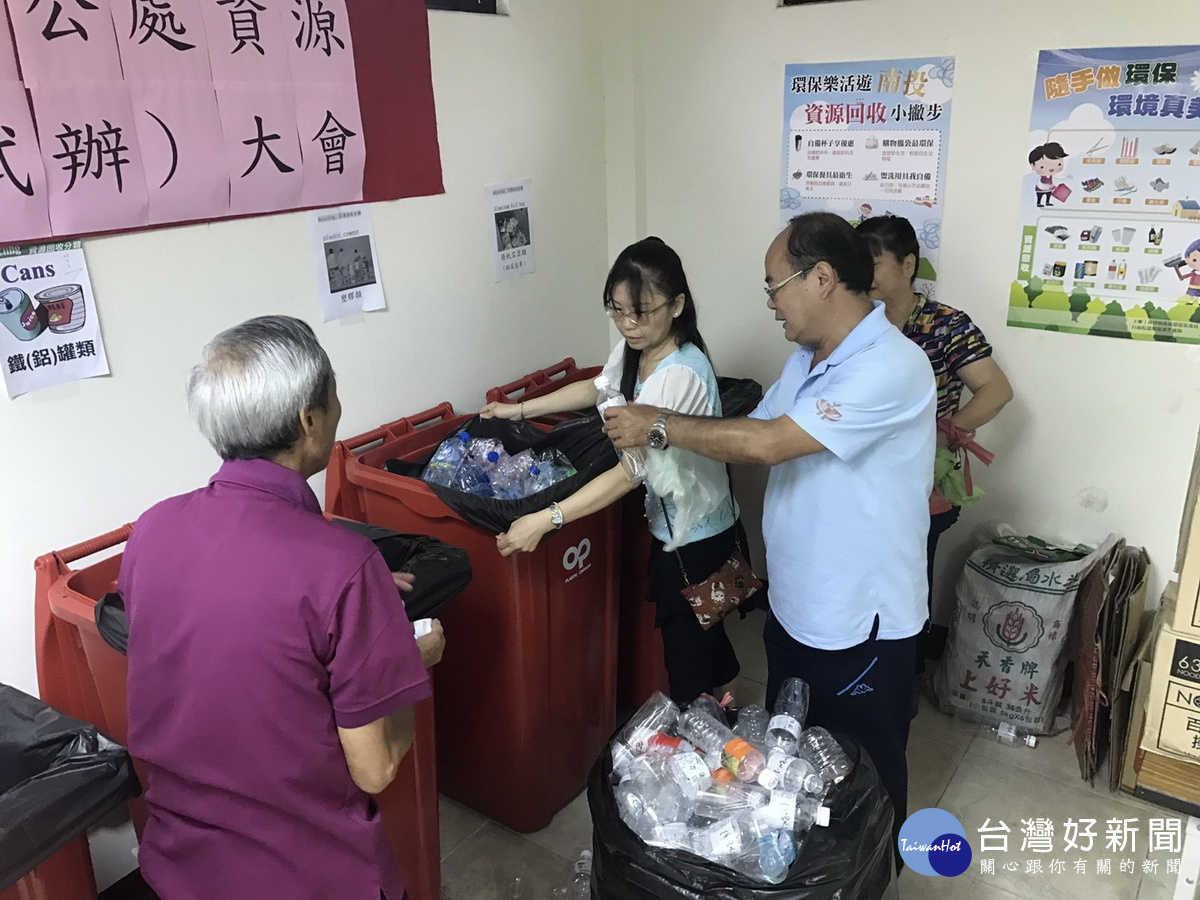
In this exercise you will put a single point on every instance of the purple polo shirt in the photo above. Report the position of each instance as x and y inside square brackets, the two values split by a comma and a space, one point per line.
[256, 628]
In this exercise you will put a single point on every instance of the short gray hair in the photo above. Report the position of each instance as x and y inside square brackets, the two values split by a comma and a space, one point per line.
[255, 381]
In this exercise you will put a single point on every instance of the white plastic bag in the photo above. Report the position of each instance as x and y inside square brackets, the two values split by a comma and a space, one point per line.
[674, 475]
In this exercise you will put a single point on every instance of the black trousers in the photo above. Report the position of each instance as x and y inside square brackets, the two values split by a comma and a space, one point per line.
[697, 661]
[932, 640]
[864, 691]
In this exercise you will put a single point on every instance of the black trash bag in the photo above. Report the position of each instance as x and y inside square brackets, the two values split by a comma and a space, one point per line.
[440, 570]
[581, 440]
[739, 396]
[58, 778]
[851, 859]
[112, 622]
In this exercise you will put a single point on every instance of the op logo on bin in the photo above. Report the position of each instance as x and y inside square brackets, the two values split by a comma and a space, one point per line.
[933, 842]
[575, 559]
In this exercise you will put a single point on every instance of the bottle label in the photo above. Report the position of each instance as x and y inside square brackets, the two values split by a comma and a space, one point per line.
[725, 838]
[778, 761]
[690, 771]
[781, 811]
[785, 723]
[670, 836]
[733, 754]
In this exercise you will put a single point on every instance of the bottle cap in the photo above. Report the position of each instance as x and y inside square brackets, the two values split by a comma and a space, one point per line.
[1030, 740]
[822, 817]
[463, 436]
[493, 456]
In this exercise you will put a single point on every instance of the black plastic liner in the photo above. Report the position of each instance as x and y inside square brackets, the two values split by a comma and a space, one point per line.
[58, 778]
[581, 440]
[851, 859]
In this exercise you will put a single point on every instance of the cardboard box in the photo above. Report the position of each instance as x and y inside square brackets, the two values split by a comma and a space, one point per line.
[1173, 705]
[1186, 616]
[1154, 777]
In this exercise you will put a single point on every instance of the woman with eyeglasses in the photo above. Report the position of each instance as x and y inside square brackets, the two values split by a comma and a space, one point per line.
[660, 360]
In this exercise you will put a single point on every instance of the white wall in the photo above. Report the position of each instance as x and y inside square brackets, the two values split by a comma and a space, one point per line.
[1091, 414]
[517, 97]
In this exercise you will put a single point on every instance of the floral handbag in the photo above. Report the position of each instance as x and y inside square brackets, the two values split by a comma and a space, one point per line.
[721, 592]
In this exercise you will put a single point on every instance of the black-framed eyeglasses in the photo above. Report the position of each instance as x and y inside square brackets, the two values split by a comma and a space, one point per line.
[770, 289]
[633, 318]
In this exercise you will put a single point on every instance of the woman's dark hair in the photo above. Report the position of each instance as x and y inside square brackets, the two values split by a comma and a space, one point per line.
[894, 234]
[823, 237]
[651, 265]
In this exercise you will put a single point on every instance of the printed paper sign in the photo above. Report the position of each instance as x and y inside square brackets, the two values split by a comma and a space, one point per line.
[51, 332]
[512, 229]
[1110, 201]
[865, 139]
[343, 247]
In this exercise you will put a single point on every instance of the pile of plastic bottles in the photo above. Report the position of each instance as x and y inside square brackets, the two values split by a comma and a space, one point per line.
[744, 798]
[481, 466]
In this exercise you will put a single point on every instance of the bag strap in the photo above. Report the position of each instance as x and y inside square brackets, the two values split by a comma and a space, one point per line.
[737, 540]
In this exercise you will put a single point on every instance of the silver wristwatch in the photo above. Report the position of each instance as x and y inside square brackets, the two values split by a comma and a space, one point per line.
[556, 516]
[656, 437]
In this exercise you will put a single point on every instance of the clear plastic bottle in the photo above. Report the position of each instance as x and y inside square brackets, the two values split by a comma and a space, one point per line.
[648, 797]
[707, 703]
[791, 773]
[509, 476]
[658, 714]
[633, 460]
[820, 748]
[471, 479]
[1013, 736]
[787, 720]
[446, 460]
[738, 756]
[721, 803]
[794, 812]
[581, 880]
[752, 724]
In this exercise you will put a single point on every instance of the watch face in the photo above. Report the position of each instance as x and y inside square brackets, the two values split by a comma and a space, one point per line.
[656, 437]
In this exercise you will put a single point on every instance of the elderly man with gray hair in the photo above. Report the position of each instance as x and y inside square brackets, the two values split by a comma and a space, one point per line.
[272, 668]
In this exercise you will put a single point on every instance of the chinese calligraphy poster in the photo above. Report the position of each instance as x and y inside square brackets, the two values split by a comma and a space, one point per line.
[151, 112]
[512, 229]
[864, 139]
[51, 332]
[1110, 201]
[343, 246]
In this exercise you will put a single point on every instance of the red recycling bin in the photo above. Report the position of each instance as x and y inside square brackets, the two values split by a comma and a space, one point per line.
[526, 686]
[84, 677]
[640, 667]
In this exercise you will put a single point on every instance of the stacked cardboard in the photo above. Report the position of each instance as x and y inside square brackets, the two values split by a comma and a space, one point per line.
[1165, 683]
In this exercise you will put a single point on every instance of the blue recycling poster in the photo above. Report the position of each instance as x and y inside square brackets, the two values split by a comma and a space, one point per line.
[1110, 198]
[865, 139]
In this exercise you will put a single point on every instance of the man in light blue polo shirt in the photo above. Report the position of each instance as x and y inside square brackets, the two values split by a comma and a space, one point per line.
[849, 433]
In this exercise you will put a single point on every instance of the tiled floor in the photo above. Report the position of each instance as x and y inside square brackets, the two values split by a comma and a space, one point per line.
[952, 765]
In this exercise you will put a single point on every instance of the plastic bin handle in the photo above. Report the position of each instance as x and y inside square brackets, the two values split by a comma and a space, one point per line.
[401, 426]
[96, 544]
[533, 379]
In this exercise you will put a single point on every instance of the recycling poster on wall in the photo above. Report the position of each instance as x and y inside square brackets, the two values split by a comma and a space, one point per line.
[864, 139]
[1110, 204]
[51, 332]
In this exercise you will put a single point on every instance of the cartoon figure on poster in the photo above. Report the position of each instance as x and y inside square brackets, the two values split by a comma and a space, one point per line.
[1189, 259]
[1046, 161]
[1107, 196]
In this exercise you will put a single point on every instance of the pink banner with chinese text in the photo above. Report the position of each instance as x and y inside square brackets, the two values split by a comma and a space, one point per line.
[22, 178]
[179, 136]
[90, 151]
[64, 40]
[258, 122]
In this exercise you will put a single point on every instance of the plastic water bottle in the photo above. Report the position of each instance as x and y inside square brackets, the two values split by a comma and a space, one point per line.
[826, 755]
[648, 796]
[706, 703]
[658, 714]
[791, 709]
[752, 725]
[738, 756]
[581, 881]
[791, 773]
[633, 460]
[446, 460]
[1010, 734]
[730, 800]
[510, 474]
[471, 479]
[793, 812]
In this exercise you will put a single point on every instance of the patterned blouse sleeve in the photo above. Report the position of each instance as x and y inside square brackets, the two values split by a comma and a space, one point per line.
[965, 343]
